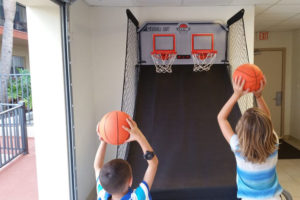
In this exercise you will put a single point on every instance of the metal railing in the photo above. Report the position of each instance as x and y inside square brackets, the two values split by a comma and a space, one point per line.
[13, 132]
[15, 88]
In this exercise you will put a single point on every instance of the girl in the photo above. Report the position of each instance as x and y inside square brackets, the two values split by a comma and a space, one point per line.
[254, 145]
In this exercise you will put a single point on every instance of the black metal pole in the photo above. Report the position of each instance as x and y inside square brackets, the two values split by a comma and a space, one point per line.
[23, 127]
[236, 17]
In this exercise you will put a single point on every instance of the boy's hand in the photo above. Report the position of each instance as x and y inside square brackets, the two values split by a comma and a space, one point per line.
[238, 85]
[263, 83]
[98, 132]
[135, 133]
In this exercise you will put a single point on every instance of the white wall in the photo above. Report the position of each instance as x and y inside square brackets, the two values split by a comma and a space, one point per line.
[108, 61]
[282, 40]
[295, 115]
[83, 97]
[48, 101]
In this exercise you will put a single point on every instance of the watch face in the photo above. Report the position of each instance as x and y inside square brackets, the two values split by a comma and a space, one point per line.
[149, 155]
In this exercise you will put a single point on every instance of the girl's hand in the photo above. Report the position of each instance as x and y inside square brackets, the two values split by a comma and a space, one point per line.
[238, 85]
[135, 133]
[263, 83]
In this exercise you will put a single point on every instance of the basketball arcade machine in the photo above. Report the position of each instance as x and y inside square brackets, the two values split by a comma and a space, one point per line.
[168, 46]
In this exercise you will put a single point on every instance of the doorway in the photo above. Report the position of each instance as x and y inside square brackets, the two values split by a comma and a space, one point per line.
[272, 63]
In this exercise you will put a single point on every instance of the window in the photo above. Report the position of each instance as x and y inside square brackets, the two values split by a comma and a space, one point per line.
[20, 22]
[18, 62]
[1, 14]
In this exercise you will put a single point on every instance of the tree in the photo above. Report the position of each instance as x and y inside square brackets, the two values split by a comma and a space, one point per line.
[9, 7]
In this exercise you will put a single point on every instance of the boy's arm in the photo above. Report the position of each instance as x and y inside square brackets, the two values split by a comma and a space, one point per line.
[99, 158]
[224, 124]
[260, 100]
[137, 135]
[152, 164]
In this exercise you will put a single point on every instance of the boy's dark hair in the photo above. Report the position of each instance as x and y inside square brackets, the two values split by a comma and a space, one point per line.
[115, 175]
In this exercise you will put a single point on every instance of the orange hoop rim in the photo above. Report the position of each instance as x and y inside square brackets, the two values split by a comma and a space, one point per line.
[203, 53]
[164, 54]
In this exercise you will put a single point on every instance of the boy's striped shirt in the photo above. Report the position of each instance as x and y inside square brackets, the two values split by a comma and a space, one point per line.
[255, 180]
[140, 193]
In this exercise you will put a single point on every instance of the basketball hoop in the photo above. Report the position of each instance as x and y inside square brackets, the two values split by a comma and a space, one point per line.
[203, 59]
[163, 60]
[203, 52]
[164, 52]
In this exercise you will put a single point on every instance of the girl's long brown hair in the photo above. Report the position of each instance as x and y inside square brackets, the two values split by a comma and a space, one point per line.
[256, 137]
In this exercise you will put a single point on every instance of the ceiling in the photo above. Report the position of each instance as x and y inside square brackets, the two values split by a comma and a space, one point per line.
[270, 15]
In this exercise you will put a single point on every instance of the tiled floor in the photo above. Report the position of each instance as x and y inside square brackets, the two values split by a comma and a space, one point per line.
[289, 176]
[289, 172]
[18, 179]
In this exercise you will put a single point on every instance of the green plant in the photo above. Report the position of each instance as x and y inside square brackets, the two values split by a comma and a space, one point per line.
[19, 88]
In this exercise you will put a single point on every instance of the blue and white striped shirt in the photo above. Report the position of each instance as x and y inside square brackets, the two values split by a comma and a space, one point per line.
[140, 193]
[255, 180]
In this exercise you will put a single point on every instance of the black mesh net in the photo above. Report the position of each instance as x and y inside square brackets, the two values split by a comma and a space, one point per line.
[237, 55]
[130, 78]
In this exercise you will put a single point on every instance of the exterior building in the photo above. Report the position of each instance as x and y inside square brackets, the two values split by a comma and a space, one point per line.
[20, 58]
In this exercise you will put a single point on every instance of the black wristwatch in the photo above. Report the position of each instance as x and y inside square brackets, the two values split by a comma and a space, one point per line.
[149, 155]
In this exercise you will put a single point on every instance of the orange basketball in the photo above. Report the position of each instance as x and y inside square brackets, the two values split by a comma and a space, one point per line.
[110, 127]
[251, 74]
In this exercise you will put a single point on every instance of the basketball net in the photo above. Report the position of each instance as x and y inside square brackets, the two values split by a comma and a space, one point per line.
[203, 60]
[163, 61]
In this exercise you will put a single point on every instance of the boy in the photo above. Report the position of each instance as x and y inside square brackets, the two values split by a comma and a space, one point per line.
[114, 179]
